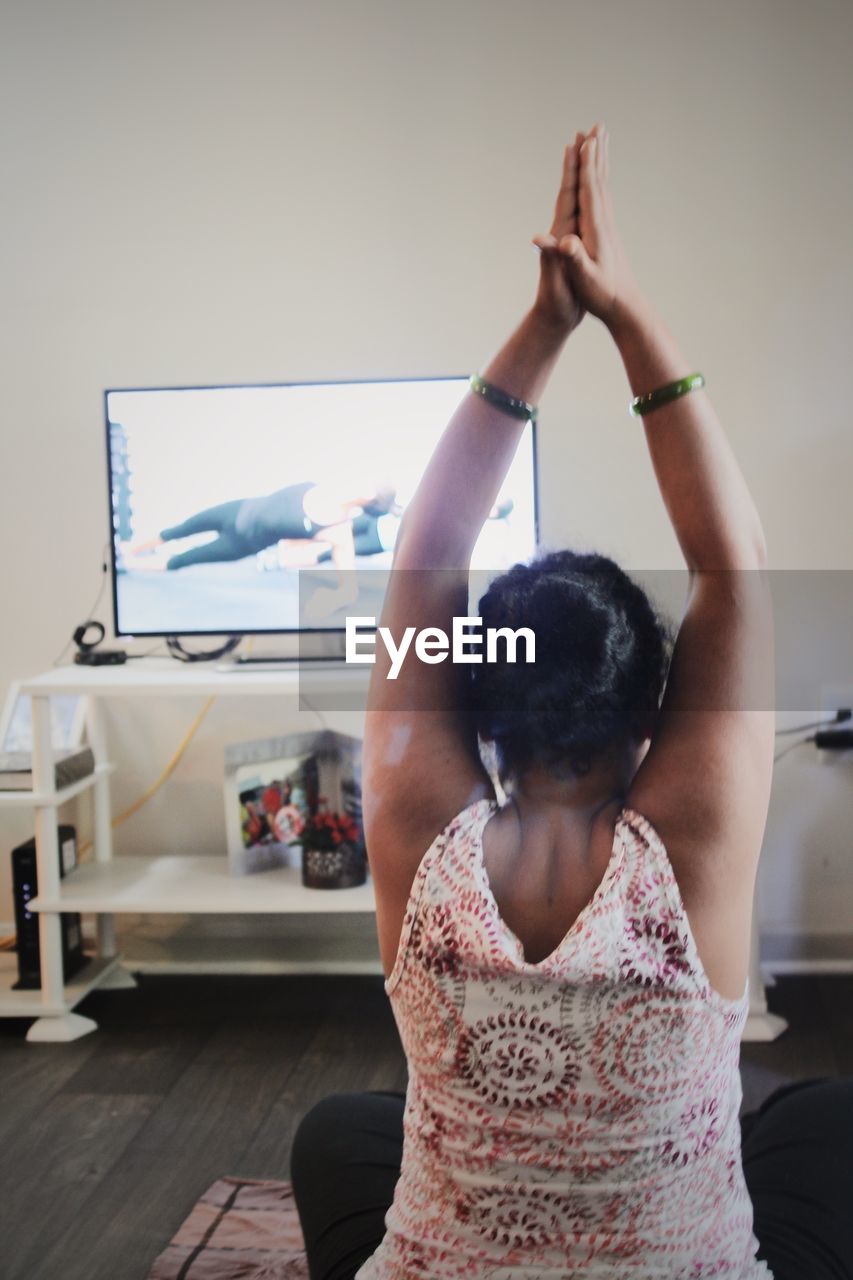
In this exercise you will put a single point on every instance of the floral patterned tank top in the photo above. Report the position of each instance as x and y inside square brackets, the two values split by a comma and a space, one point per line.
[577, 1116]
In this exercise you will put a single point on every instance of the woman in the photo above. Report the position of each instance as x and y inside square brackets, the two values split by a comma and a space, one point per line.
[568, 970]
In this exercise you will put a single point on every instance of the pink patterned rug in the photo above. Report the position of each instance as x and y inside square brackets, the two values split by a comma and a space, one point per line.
[239, 1230]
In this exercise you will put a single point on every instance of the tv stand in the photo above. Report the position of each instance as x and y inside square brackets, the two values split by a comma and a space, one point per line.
[162, 883]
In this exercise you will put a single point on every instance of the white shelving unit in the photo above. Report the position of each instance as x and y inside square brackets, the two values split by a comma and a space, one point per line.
[158, 885]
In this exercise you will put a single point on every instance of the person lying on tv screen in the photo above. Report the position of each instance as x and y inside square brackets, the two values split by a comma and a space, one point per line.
[299, 512]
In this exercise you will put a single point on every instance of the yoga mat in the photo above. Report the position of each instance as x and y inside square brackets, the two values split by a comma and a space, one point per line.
[240, 1229]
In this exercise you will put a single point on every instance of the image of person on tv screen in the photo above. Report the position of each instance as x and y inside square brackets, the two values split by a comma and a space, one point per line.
[298, 513]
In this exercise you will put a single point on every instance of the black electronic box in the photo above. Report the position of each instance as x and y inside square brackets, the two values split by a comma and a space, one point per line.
[25, 887]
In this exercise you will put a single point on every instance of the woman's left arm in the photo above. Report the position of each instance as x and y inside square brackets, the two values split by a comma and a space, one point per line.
[417, 725]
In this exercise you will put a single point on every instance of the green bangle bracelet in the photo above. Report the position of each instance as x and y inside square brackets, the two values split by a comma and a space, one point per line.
[501, 400]
[641, 405]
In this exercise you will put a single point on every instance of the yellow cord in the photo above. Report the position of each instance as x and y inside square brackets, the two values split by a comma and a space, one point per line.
[167, 772]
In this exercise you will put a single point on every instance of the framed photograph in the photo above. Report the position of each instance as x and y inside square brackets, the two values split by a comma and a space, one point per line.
[274, 785]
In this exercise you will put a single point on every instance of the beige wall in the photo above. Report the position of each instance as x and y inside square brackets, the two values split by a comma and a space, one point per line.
[202, 191]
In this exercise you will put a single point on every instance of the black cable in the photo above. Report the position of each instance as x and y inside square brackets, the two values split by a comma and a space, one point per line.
[105, 568]
[839, 718]
[177, 650]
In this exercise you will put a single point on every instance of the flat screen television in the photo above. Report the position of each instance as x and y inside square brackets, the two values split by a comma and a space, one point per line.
[220, 498]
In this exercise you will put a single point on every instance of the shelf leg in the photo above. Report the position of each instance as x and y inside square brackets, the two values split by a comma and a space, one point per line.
[107, 946]
[68, 1026]
[102, 827]
[50, 955]
[47, 864]
[761, 1025]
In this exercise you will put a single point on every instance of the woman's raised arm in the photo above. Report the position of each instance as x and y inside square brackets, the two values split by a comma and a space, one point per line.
[709, 504]
[705, 780]
[444, 518]
[417, 724]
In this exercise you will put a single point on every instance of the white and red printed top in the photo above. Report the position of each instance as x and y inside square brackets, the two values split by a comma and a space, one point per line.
[572, 1117]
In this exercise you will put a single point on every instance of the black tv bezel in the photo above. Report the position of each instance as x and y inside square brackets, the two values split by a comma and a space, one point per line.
[248, 386]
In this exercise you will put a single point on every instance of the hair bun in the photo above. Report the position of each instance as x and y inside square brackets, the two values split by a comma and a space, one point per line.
[601, 659]
[571, 629]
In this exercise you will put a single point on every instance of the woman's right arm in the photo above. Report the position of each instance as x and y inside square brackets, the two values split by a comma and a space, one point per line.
[705, 780]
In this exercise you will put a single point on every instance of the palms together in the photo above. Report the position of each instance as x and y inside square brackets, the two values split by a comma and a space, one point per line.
[583, 265]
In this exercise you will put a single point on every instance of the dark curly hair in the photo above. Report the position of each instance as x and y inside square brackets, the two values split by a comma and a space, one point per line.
[602, 655]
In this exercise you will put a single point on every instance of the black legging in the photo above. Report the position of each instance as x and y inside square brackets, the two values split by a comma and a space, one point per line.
[229, 545]
[797, 1161]
[244, 525]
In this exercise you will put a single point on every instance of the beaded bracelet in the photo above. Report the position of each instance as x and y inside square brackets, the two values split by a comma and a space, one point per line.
[641, 405]
[501, 400]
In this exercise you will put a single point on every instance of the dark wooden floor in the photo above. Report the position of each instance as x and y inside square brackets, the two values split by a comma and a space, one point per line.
[106, 1143]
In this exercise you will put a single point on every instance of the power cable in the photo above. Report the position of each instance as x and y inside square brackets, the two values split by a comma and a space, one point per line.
[104, 571]
[840, 717]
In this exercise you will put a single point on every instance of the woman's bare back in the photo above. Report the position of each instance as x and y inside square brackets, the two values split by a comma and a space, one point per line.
[544, 872]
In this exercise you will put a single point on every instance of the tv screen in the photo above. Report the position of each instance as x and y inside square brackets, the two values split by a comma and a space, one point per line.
[224, 498]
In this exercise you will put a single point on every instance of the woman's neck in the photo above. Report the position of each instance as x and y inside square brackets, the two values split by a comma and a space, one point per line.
[607, 781]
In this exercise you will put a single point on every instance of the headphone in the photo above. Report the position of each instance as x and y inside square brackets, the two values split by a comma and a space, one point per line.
[86, 646]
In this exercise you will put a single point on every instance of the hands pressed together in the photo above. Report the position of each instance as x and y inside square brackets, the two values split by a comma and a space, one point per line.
[583, 264]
